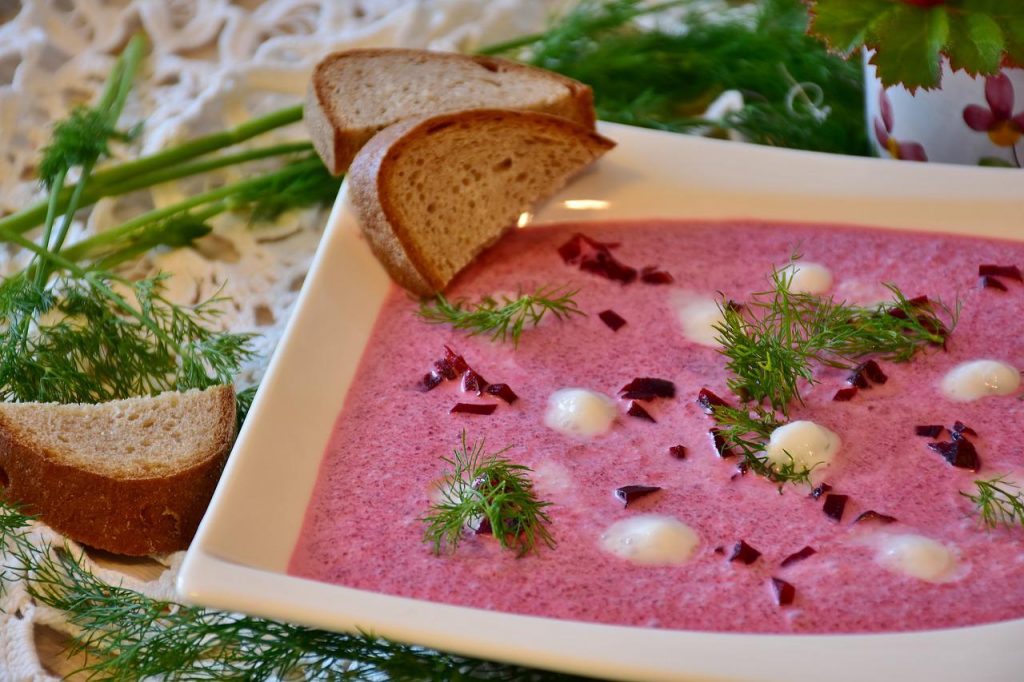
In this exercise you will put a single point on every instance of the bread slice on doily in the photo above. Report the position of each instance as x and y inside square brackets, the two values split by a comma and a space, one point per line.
[355, 93]
[131, 476]
[431, 193]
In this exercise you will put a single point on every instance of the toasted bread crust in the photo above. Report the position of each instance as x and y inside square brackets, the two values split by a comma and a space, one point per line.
[337, 143]
[375, 206]
[130, 516]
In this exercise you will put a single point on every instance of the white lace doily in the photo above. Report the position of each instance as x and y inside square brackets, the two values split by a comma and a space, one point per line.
[213, 64]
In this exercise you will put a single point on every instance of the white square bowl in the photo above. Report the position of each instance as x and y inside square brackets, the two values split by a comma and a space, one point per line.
[239, 557]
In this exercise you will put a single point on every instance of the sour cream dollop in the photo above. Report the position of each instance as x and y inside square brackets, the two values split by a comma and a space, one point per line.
[651, 540]
[809, 278]
[580, 412]
[979, 378]
[917, 556]
[811, 445]
[698, 316]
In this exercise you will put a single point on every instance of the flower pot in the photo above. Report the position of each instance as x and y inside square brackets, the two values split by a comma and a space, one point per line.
[969, 120]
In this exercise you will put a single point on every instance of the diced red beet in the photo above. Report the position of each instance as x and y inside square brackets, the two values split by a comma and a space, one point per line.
[857, 379]
[503, 392]
[603, 263]
[457, 362]
[819, 490]
[648, 388]
[471, 381]
[845, 394]
[744, 553]
[784, 592]
[916, 302]
[473, 408]
[484, 527]
[628, 493]
[798, 556]
[960, 428]
[873, 372]
[872, 515]
[734, 306]
[635, 409]
[445, 369]
[611, 318]
[720, 447]
[678, 451]
[651, 275]
[1010, 271]
[571, 250]
[834, 506]
[709, 401]
[928, 430]
[429, 381]
[991, 283]
[719, 550]
[961, 453]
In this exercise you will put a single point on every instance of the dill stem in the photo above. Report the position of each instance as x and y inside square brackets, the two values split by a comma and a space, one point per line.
[80, 249]
[105, 180]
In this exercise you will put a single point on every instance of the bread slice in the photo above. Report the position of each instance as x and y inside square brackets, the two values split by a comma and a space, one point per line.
[129, 476]
[354, 94]
[432, 193]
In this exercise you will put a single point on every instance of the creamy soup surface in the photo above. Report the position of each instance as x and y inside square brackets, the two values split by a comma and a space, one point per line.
[663, 560]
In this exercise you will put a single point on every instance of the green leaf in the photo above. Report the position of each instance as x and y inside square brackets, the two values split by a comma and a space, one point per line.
[975, 44]
[1015, 39]
[907, 42]
[995, 162]
[844, 25]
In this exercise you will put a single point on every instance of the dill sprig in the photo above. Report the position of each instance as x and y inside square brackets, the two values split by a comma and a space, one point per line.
[80, 341]
[777, 338]
[998, 501]
[505, 318]
[745, 431]
[487, 488]
[129, 636]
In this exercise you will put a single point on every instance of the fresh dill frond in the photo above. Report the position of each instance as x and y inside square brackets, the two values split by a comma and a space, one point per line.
[998, 501]
[76, 341]
[304, 183]
[487, 488]
[79, 139]
[128, 636]
[502, 319]
[776, 339]
[746, 431]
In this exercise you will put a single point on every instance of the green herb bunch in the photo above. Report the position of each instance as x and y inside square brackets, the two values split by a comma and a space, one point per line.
[487, 488]
[998, 501]
[796, 94]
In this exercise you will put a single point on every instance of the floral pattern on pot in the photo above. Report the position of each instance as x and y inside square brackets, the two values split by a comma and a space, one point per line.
[904, 151]
[1004, 129]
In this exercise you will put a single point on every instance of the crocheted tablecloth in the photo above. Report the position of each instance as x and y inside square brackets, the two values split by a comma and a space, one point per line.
[213, 64]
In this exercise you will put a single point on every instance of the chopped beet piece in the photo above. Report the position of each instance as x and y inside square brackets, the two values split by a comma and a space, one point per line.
[611, 318]
[635, 409]
[733, 306]
[456, 360]
[503, 392]
[845, 394]
[744, 553]
[960, 453]
[857, 379]
[648, 388]
[678, 451]
[873, 372]
[652, 275]
[719, 550]
[798, 556]
[720, 446]
[709, 401]
[445, 369]
[1011, 271]
[916, 302]
[484, 528]
[959, 428]
[429, 381]
[928, 430]
[628, 493]
[991, 283]
[471, 381]
[603, 263]
[834, 505]
[784, 592]
[872, 515]
[571, 250]
[820, 490]
[473, 408]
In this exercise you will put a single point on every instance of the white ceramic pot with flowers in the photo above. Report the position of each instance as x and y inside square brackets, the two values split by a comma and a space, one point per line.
[942, 81]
